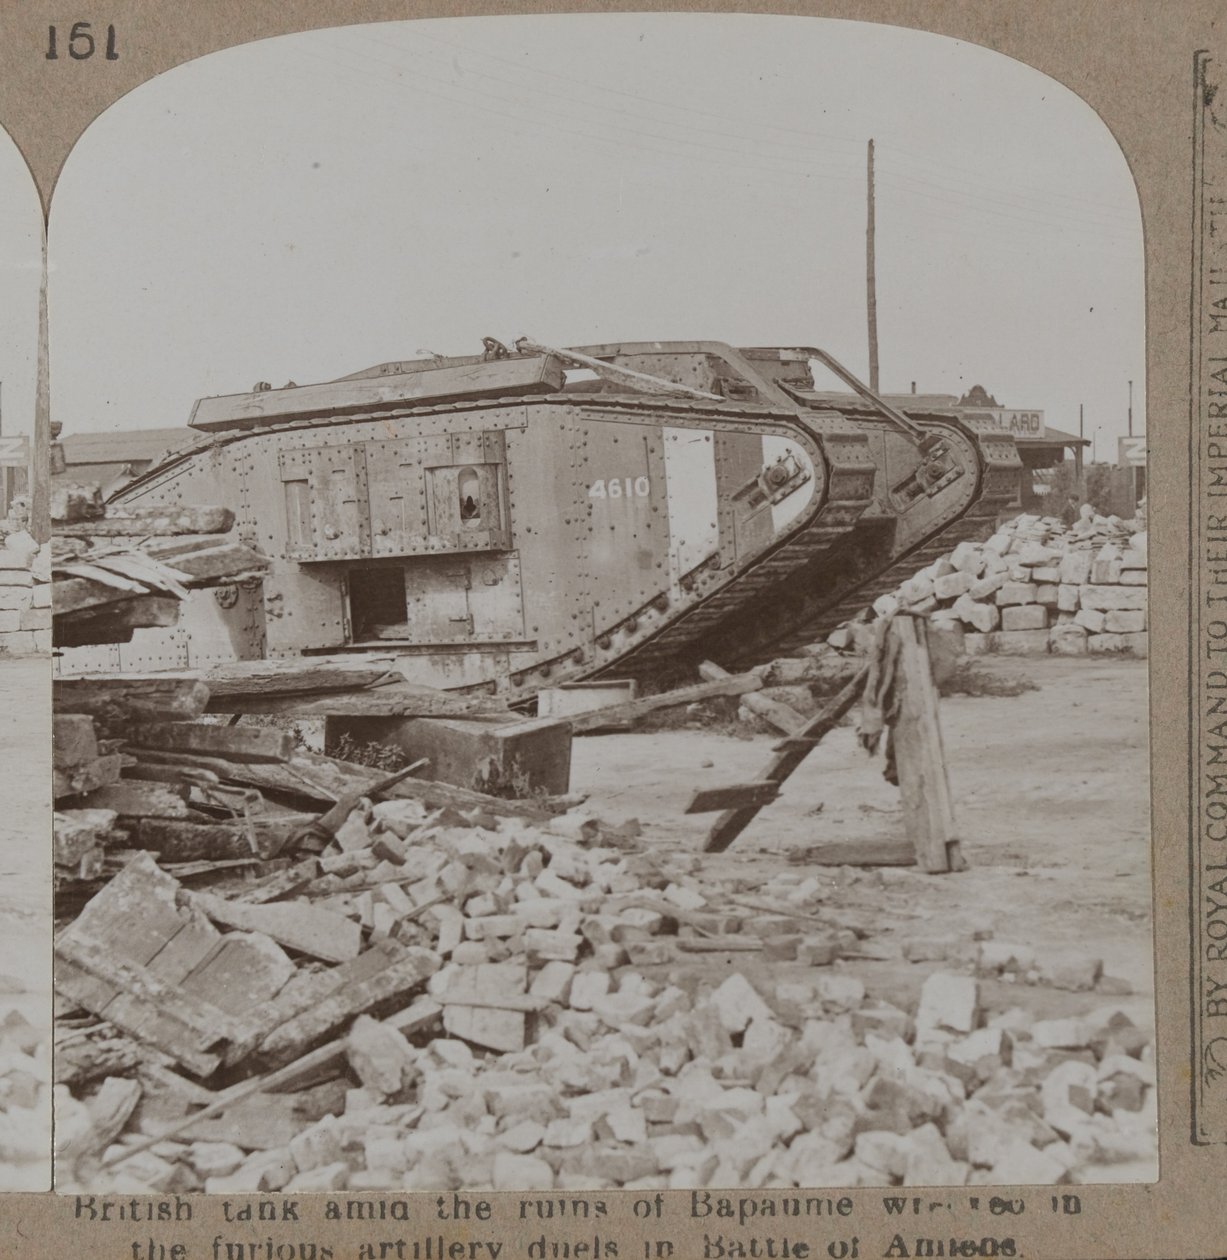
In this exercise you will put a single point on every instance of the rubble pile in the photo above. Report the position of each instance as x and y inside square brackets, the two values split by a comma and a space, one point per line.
[504, 1002]
[1035, 587]
[115, 570]
[25, 1088]
[25, 593]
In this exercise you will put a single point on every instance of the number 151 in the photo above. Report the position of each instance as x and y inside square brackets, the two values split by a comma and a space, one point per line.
[81, 44]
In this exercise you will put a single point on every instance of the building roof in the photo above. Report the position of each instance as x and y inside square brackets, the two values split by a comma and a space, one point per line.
[122, 446]
[1053, 437]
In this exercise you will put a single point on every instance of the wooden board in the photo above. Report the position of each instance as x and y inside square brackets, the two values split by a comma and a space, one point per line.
[729, 685]
[134, 798]
[176, 841]
[297, 925]
[398, 699]
[733, 796]
[119, 699]
[158, 519]
[782, 716]
[234, 743]
[733, 822]
[920, 758]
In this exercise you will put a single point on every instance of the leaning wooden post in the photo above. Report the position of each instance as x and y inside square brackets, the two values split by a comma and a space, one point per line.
[920, 758]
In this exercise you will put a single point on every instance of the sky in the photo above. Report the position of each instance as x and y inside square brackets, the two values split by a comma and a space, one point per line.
[21, 238]
[303, 207]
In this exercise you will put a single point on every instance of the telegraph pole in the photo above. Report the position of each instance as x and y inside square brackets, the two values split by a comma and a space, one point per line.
[1078, 456]
[871, 283]
[1130, 408]
[40, 461]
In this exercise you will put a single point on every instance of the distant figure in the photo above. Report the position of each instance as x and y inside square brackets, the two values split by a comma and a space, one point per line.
[1069, 514]
[469, 510]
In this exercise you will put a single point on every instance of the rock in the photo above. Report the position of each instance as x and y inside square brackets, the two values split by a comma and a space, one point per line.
[953, 585]
[588, 987]
[1061, 1034]
[948, 1001]
[216, 1159]
[1024, 617]
[968, 557]
[316, 1146]
[1021, 1164]
[1067, 640]
[1075, 567]
[1020, 642]
[1067, 970]
[1015, 593]
[380, 1056]
[737, 1002]
[1067, 598]
[982, 617]
[998, 956]
[1124, 621]
[333, 1176]
[988, 585]
[928, 1162]
[1113, 598]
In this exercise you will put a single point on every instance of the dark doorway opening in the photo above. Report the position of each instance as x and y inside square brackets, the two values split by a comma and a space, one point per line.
[376, 600]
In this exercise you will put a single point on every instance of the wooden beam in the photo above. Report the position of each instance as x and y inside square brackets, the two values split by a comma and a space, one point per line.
[142, 522]
[234, 743]
[733, 822]
[920, 758]
[299, 926]
[728, 685]
[177, 841]
[782, 716]
[120, 699]
[891, 852]
[397, 699]
[733, 796]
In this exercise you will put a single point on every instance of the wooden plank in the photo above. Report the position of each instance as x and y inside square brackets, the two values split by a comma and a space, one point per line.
[274, 679]
[395, 981]
[120, 699]
[136, 799]
[73, 594]
[73, 740]
[729, 685]
[782, 716]
[280, 883]
[157, 519]
[234, 743]
[345, 776]
[733, 822]
[177, 841]
[208, 560]
[140, 1013]
[419, 1014]
[114, 623]
[920, 758]
[400, 699]
[888, 852]
[269, 776]
[733, 796]
[299, 926]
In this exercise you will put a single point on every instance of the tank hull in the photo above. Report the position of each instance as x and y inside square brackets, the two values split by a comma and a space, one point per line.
[504, 543]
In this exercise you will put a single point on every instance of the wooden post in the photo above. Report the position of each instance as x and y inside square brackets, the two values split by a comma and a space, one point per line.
[919, 756]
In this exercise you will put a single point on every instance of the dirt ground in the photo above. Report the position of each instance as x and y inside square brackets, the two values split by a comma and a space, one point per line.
[1051, 796]
[25, 887]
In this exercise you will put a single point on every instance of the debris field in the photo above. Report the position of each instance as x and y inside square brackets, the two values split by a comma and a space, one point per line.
[278, 970]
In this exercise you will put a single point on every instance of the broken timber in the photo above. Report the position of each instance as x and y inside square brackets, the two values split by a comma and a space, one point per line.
[234, 743]
[919, 755]
[789, 755]
[782, 716]
[728, 685]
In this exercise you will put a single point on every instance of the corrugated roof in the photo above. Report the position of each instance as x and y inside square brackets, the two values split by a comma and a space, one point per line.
[1053, 437]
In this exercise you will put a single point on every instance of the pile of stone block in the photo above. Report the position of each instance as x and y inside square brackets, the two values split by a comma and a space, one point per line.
[25, 1090]
[1036, 586]
[598, 1013]
[25, 595]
